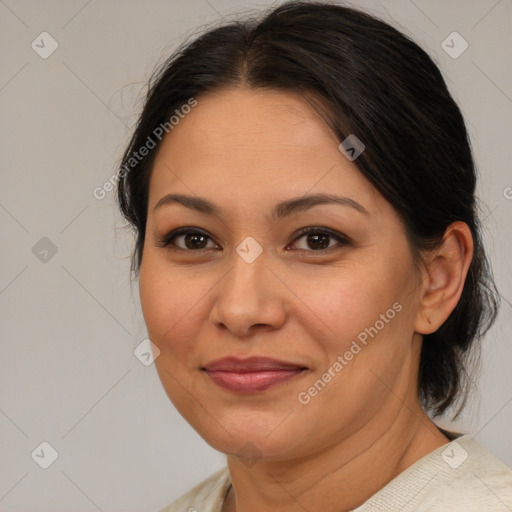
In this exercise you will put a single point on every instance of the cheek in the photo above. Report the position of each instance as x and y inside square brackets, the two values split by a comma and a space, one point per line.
[160, 300]
[369, 330]
[347, 302]
[361, 309]
[154, 299]
[374, 319]
[173, 306]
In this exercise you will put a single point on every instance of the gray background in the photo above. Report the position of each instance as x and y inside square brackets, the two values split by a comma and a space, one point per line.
[71, 320]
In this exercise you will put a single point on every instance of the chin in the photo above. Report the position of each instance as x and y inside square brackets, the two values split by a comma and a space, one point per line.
[250, 436]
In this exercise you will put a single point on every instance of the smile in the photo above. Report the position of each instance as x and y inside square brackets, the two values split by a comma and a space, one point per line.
[252, 382]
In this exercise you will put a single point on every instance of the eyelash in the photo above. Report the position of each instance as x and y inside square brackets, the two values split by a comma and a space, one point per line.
[166, 241]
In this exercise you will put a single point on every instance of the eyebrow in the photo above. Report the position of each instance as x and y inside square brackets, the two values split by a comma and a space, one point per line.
[281, 210]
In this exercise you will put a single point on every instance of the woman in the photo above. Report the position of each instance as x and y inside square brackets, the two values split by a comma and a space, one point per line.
[310, 265]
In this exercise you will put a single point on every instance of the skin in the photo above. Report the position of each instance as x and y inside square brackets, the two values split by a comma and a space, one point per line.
[246, 150]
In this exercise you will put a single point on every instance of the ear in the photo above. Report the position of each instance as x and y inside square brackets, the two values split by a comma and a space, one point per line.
[443, 279]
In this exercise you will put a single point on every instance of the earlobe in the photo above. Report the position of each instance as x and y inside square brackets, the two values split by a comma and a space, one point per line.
[444, 276]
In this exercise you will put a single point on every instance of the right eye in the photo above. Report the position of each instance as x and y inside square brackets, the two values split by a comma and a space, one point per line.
[186, 239]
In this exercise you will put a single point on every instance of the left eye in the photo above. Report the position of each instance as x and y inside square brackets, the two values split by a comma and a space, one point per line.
[317, 239]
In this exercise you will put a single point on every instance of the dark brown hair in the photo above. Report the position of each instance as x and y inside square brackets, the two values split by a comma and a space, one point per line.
[377, 84]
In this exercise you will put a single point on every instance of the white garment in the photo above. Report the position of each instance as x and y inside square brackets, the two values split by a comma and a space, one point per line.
[461, 476]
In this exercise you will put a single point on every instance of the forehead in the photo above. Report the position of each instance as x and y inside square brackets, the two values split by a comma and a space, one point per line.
[251, 121]
[241, 143]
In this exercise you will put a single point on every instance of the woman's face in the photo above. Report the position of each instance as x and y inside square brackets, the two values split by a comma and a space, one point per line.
[338, 304]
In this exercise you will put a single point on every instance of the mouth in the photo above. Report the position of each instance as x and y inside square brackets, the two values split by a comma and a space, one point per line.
[251, 375]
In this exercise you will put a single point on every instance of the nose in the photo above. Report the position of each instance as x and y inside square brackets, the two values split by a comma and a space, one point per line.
[249, 299]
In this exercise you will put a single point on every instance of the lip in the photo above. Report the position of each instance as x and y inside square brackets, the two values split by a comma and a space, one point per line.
[251, 364]
[251, 375]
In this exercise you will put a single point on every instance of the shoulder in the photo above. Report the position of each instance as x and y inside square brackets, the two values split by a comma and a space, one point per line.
[477, 479]
[461, 476]
[207, 496]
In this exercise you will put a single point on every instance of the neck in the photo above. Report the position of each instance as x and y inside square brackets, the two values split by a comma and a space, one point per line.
[341, 478]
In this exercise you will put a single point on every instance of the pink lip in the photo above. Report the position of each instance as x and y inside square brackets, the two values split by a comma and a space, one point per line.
[251, 375]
